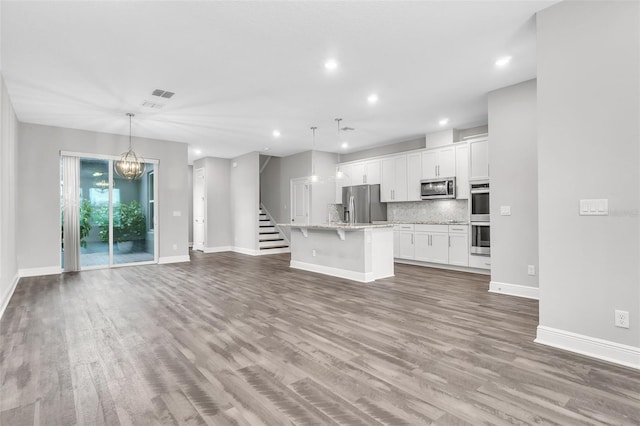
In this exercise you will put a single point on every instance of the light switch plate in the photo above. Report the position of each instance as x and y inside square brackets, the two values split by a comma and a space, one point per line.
[505, 210]
[594, 207]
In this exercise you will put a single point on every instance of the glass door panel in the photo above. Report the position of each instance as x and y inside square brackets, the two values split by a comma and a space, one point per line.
[133, 218]
[94, 212]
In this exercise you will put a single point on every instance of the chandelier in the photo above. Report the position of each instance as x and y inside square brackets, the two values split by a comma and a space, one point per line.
[130, 166]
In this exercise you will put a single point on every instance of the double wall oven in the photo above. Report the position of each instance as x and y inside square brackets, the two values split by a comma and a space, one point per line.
[480, 219]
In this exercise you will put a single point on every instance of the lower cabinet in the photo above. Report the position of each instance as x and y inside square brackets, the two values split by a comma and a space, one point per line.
[459, 245]
[445, 244]
[403, 241]
[432, 243]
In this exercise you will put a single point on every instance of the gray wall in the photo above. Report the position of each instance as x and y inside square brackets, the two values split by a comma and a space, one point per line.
[39, 195]
[245, 199]
[323, 192]
[417, 143]
[190, 203]
[408, 145]
[588, 147]
[8, 195]
[218, 209]
[270, 194]
[514, 182]
[275, 182]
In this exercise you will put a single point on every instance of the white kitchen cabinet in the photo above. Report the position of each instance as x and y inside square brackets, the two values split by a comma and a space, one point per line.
[343, 178]
[365, 172]
[372, 172]
[393, 186]
[439, 163]
[357, 173]
[414, 175]
[459, 245]
[479, 159]
[462, 171]
[432, 243]
[403, 241]
[480, 262]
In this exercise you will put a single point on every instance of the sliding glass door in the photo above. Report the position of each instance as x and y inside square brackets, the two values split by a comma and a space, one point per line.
[116, 217]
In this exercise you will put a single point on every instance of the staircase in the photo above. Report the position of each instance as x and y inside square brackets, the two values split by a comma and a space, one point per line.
[270, 239]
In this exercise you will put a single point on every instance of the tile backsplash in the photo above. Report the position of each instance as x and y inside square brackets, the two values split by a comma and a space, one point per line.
[434, 210]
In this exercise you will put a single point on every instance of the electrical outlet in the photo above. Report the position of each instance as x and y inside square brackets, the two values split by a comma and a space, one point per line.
[531, 269]
[505, 210]
[622, 319]
[313, 252]
[175, 247]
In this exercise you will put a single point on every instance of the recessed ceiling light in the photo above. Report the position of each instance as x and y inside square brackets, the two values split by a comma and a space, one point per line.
[197, 152]
[331, 64]
[501, 62]
[345, 145]
[372, 98]
[443, 122]
[97, 174]
[276, 133]
[266, 148]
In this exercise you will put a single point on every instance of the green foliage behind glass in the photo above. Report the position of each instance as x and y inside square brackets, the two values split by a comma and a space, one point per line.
[129, 223]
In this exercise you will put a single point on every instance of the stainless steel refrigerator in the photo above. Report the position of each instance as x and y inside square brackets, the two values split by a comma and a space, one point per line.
[361, 204]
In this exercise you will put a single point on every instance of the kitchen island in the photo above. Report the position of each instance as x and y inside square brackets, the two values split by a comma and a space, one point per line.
[360, 252]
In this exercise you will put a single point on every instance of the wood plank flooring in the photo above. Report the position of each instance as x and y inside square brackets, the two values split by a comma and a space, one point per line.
[230, 339]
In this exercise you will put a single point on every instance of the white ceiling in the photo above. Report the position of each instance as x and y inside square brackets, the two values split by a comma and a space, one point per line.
[242, 69]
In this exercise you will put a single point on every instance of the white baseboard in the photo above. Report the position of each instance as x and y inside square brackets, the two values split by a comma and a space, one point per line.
[606, 350]
[243, 250]
[36, 272]
[442, 266]
[514, 290]
[274, 251]
[217, 249]
[4, 302]
[363, 277]
[174, 259]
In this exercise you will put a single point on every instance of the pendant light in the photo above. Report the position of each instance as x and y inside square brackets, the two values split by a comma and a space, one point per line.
[314, 176]
[130, 166]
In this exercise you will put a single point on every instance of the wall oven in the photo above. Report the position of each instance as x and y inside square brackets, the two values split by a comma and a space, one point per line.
[434, 189]
[480, 201]
[480, 238]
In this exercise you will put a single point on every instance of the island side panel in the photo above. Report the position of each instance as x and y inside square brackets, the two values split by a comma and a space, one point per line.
[336, 257]
[382, 265]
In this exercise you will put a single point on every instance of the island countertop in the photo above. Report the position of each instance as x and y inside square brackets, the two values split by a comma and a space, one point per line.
[336, 226]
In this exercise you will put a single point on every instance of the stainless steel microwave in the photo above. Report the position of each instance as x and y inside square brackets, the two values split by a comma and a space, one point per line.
[434, 189]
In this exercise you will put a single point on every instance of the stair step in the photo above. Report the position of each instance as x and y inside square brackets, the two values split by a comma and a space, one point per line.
[272, 243]
[271, 237]
[263, 216]
[268, 232]
[274, 247]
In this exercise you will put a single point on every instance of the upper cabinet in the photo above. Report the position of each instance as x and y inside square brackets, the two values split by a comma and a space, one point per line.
[479, 159]
[414, 175]
[393, 185]
[439, 163]
[365, 172]
[462, 171]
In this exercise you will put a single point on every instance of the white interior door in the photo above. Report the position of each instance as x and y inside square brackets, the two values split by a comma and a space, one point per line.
[199, 202]
[300, 201]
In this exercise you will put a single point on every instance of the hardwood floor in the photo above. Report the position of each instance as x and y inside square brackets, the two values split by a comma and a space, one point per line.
[232, 339]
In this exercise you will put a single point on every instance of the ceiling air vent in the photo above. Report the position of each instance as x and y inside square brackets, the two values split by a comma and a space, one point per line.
[150, 104]
[162, 93]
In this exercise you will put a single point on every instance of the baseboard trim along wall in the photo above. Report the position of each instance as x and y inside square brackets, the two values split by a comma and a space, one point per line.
[605, 350]
[242, 250]
[363, 277]
[36, 272]
[443, 266]
[514, 290]
[7, 296]
[217, 249]
[174, 259]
